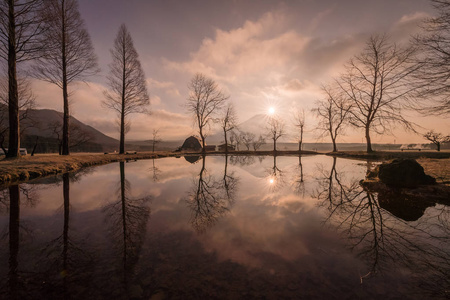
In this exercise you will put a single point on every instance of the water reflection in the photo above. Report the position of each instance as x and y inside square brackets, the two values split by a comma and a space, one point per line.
[210, 197]
[378, 228]
[322, 236]
[127, 219]
[298, 181]
[14, 221]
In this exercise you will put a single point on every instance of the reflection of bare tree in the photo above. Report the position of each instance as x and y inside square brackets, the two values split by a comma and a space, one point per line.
[156, 171]
[14, 215]
[333, 188]
[242, 160]
[64, 255]
[229, 183]
[209, 198]
[275, 177]
[16, 232]
[298, 181]
[128, 219]
[386, 242]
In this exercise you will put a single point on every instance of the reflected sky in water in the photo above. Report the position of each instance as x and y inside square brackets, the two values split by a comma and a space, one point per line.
[219, 227]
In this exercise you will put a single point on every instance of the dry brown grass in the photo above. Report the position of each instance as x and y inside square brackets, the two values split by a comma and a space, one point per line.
[28, 167]
[438, 168]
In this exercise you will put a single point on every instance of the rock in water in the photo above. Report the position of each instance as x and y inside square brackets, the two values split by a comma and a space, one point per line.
[404, 173]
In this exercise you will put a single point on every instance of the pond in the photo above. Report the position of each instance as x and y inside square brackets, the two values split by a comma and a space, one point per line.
[236, 227]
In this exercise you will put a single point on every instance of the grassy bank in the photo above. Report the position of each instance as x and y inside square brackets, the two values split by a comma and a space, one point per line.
[29, 167]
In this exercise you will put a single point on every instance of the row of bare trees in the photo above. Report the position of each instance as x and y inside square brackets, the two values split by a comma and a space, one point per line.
[51, 36]
[207, 103]
[385, 79]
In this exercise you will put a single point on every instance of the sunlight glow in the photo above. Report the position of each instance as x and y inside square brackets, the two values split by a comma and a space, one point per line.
[271, 110]
[271, 181]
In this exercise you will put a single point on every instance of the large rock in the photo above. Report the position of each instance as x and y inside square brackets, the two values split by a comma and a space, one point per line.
[404, 173]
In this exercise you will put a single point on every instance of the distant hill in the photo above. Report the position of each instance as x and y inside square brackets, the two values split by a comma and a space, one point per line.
[44, 118]
[38, 129]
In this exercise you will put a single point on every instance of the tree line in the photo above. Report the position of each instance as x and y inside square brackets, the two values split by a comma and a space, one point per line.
[49, 38]
[371, 94]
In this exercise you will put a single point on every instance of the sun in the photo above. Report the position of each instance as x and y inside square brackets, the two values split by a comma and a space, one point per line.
[271, 111]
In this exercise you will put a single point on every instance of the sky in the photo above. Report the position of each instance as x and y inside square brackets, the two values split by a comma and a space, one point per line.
[262, 53]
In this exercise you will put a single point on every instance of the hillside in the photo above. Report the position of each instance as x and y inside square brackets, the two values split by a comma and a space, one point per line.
[45, 118]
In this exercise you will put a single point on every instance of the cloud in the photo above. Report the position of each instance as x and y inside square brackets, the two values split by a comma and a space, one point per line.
[258, 47]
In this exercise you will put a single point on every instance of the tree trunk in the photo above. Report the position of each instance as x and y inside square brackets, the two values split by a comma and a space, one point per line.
[301, 140]
[35, 145]
[122, 130]
[13, 94]
[203, 141]
[274, 145]
[122, 112]
[65, 133]
[369, 144]
[438, 145]
[334, 144]
[226, 142]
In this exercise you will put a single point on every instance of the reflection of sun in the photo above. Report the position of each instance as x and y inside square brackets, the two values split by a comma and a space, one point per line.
[271, 180]
[271, 110]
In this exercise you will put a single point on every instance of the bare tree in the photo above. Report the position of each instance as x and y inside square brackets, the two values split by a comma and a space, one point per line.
[332, 112]
[377, 82]
[204, 102]
[155, 138]
[126, 79]
[27, 102]
[433, 76]
[78, 135]
[437, 138]
[299, 123]
[256, 144]
[276, 130]
[235, 138]
[71, 56]
[247, 139]
[21, 26]
[228, 122]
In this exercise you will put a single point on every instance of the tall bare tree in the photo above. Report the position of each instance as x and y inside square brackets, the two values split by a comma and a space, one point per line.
[333, 112]
[299, 123]
[437, 138]
[21, 26]
[204, 102]
[70, 57]
[433, 79]
[228, 122]
[276, 130]
[128, 89]
[377, 81]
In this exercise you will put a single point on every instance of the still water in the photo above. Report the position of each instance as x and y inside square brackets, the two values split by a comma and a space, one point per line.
[219, 228]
